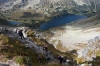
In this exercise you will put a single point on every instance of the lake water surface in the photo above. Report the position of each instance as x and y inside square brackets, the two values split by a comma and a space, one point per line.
[55, 22]
[60, 21]
[15, 23]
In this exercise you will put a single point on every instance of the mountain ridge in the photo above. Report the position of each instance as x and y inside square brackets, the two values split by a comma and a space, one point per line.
[52, 6]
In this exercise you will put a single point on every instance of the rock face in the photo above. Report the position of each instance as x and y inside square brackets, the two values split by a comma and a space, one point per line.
[91, 51]
[50, 6]
[9, 63]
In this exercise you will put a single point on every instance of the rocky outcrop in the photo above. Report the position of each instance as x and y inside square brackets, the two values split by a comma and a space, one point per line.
[50, 6]
[91, 51]
[9, 63]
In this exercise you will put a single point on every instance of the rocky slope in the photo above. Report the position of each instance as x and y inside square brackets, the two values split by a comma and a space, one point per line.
[81, 35]
[28, 52]
[17, 52]
[49, 7]
[74, 35]
[91, 51]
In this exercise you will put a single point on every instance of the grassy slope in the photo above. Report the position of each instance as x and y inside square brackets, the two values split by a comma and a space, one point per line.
[14, 49]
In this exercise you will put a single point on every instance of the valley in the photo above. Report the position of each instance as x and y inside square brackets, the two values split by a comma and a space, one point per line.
[69, 28]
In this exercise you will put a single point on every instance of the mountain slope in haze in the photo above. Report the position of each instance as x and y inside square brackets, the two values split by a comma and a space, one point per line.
[2, 16]
[2, 20]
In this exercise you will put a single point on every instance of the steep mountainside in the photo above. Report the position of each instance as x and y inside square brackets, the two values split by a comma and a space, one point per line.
[74, 35]
[29, 51]
[49, 7]
[14, 53]
[2, 20]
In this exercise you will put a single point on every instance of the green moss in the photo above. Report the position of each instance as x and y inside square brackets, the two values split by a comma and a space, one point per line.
[4, 39]
[20, 60]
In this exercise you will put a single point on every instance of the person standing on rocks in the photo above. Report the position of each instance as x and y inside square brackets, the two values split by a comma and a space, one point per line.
[46, 52]
[45, 49]
[60, 58]
[21, 34]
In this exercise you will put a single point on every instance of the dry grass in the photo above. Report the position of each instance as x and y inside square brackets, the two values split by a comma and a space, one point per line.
[81, 45]
[60, 47]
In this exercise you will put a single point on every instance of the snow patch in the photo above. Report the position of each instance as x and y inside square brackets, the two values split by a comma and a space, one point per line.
[80, 2]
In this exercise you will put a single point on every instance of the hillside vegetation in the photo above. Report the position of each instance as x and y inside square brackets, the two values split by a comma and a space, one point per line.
[2, 20]
[13, 49]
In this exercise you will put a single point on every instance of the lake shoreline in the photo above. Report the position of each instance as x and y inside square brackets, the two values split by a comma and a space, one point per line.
[58, 21]
[37, 25]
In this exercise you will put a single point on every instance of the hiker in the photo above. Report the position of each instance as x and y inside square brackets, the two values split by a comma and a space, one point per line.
[46, 53]
[60, 58]
[6, 31]
[45, 49]
[20, 33]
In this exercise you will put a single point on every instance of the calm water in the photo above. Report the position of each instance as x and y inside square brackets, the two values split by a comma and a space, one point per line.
[60, 21]
[14, 23]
